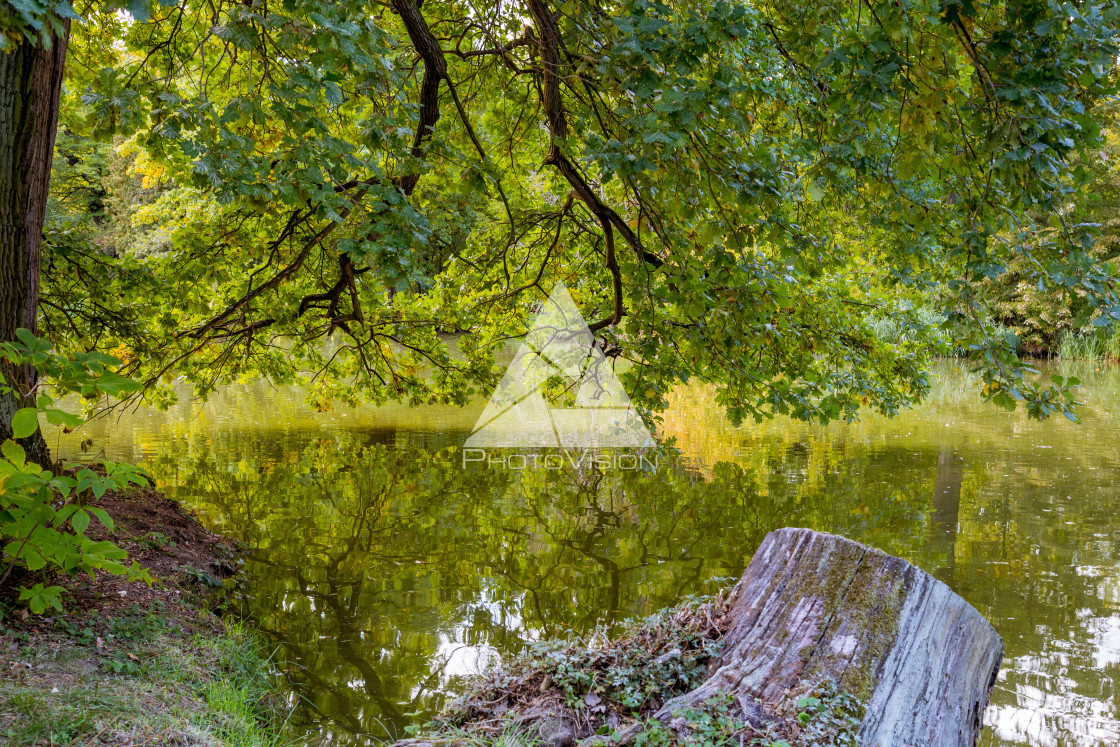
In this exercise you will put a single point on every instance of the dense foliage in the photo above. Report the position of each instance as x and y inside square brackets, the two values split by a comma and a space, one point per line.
[1042, 319]
[373, 195]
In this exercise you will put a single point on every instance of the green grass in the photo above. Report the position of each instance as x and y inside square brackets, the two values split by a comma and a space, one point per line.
[198, 689]
[1091, 347]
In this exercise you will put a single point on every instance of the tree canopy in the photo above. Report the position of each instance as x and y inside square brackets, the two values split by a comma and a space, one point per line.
[371, 196]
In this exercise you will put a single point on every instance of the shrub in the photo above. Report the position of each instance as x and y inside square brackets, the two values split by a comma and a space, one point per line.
[44, 516]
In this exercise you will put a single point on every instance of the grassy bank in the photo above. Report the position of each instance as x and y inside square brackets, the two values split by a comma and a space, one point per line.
[137, 678]
[132, 664]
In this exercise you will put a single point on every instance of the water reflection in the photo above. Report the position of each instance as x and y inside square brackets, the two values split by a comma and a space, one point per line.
[386, 570]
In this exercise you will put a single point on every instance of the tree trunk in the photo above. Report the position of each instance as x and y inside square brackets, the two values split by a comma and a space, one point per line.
[813, 607]
[30, 84]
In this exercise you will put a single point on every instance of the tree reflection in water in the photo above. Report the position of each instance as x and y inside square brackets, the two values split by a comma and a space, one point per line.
[385, 571]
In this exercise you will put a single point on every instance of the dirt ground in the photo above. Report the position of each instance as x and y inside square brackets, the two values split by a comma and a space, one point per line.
[163, 537]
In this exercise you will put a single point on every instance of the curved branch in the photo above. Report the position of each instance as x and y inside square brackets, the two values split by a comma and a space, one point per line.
[346, 283]
[557, 126]
[616, 281]
[549, 45]
[274, 282]
[435, 70]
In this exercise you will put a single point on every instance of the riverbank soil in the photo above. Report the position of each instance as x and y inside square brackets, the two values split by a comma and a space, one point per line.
[133, 664]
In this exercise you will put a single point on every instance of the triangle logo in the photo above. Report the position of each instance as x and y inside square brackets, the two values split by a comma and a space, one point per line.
[559, 343]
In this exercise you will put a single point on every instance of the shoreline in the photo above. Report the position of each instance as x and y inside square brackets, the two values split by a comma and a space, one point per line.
[129, 664]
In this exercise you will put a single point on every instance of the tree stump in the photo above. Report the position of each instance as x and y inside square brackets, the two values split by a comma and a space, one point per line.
[813, 607]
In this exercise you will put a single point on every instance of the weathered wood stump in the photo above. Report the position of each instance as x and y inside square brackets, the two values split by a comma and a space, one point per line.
[813, 607]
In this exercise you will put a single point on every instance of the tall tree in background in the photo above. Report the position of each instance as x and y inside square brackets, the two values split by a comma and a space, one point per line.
[32, 60]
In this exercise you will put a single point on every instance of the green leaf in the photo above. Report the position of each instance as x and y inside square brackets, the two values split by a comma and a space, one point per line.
[14, 453]
[103, 516]
[80, 521]
[33, 559]
[25, 422]
[63, 484]
[65, 513]
[816, 190]
[63, 418]
[138, 9]
[115, 385]
[39, 598]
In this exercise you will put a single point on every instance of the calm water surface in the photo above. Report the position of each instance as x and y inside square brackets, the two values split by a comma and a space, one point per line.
[385, 571]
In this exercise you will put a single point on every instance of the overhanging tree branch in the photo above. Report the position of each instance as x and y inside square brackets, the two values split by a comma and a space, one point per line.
[549, 45]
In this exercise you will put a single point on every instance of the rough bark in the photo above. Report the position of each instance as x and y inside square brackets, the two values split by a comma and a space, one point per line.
[814, 606]
[30, 83]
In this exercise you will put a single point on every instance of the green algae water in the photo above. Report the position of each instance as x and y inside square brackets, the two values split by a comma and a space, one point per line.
[385, 569]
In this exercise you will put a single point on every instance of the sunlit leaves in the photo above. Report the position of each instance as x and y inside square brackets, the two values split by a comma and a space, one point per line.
[33, 20]
[25, 422]
[797, 169]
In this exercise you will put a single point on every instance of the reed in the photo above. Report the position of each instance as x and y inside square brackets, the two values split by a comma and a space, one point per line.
[1099, 346]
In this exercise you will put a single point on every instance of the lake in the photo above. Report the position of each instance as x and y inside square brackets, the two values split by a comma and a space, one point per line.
[385, 570]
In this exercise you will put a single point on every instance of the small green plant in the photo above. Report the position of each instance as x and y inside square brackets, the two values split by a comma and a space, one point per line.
[82, 636]
[624, 672]
[154, 541]
[714, 724]
[135, 624]
[830, 716]
[199, 576]
[45, 516]
[122, 663]
[826, 717]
